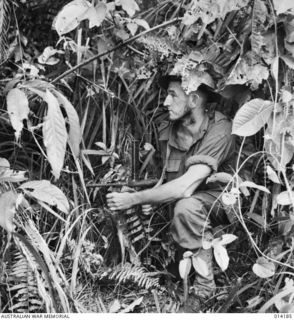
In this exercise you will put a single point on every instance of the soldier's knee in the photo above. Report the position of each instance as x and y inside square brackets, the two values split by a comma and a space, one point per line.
[186, 207]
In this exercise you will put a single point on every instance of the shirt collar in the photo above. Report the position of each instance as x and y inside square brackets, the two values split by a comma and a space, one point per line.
[179, 142]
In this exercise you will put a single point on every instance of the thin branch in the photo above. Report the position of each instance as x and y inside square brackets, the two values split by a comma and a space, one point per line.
[113, 49]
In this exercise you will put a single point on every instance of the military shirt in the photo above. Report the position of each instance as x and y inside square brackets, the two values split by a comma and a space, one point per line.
[214, 145]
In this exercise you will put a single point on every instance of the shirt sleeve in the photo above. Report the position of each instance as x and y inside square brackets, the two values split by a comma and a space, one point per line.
[216, 146]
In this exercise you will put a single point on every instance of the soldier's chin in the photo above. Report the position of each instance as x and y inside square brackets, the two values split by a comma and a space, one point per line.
[171, 117]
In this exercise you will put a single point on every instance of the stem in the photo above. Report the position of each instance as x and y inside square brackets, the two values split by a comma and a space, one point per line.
[113, 49]
[277, 75]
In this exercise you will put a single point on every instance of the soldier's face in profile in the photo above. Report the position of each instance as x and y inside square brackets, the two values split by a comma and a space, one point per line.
[177, 101]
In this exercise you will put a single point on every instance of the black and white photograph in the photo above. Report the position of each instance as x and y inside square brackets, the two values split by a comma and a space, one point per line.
[146, 158]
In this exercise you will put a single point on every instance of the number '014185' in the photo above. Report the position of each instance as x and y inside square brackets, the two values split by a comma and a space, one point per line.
[283, 316]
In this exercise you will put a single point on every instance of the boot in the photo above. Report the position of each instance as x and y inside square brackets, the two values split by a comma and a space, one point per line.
[203, 285]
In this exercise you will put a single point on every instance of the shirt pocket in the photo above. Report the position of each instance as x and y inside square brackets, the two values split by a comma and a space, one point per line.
[173, 165]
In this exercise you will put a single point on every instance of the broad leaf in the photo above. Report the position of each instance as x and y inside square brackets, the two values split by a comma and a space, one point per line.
[272, 175]
[130, 6]
[8, 208]
[263, 268]
[284, 198]
[37, 84]
[96, 15]
[184, 267]
[18, 109]
[8, 175]
[70, 16]
[47, 56]
[288, 60]
[222, 177]
[45, 191]
[227, 238]
[200, 266]
[133, 27]
[104, 159]
[221, 256]
[282, 6]
[251, 184]
[54, 134]
[75, 131]
[76, 11]
[121, 33]
[245, 73]
[251, 117]
[143, 23]
[4, 164]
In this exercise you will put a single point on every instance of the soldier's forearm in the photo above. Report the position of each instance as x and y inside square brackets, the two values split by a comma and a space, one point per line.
[181, 187]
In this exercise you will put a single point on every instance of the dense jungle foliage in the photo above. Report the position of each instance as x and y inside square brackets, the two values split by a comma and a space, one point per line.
[80, 109]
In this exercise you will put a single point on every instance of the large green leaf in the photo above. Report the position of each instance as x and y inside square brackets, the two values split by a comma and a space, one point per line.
[54, 134]
[45, 191]
[18, 109]
[251, 117]
[75, 132]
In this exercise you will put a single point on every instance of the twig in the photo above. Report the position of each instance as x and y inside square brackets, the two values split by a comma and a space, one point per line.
[113, 49]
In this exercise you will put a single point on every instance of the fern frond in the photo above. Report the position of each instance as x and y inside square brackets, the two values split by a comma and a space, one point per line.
[4, 26]
[135, 274]
[24, 286]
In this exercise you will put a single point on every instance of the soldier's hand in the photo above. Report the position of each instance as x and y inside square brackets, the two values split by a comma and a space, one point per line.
[119, 200]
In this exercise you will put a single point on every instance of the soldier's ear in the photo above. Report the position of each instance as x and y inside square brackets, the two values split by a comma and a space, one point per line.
[194, 97]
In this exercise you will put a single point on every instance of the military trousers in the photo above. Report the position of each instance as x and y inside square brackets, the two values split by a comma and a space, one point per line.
[195, 216]
[193, 220]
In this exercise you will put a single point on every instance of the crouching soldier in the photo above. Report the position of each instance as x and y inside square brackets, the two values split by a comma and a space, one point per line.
[196, 144]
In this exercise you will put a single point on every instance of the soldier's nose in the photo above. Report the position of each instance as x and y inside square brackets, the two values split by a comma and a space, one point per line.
[167, 101]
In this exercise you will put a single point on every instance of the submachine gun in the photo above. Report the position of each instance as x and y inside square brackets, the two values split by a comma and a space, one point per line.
[133, 229]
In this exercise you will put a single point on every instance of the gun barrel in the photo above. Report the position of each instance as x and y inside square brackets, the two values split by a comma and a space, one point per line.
[132, 183]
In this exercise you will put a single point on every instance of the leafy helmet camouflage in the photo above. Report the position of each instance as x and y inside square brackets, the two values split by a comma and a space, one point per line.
[192, 81]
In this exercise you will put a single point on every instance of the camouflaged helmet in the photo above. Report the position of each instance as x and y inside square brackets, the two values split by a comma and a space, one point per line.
[194, 80]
